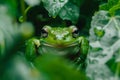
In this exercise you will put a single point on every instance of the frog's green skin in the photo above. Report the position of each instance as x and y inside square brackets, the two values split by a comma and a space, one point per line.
[62, 41]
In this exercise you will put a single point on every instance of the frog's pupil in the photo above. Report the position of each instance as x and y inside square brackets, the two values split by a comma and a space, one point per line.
[44, 33]
[75, 33]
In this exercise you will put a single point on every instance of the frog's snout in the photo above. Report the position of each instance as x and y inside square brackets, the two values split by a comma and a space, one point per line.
[59, 37]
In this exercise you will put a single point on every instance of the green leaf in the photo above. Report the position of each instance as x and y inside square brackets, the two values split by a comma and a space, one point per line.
[114, 66]
[110, 4]
[57, 68]
[54, 6]
[77, 2]
[114, 63]
[70, 12]
[104, 7]
[113, 11]
[12, 6]
[33, 2]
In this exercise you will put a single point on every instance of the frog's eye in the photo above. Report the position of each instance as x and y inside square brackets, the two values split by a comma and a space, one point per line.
[44, 33]
[75, 33]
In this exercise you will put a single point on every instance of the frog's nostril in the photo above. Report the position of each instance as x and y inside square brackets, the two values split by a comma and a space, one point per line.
[59, 37]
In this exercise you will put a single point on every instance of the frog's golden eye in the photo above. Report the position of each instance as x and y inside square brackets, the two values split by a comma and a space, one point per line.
[44, 33]
[75, 32]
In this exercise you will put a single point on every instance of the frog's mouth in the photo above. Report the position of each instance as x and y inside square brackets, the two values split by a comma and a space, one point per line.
[60, 44]
[59, 49]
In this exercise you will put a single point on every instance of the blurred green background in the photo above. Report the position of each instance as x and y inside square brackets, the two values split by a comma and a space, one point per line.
[98, 20]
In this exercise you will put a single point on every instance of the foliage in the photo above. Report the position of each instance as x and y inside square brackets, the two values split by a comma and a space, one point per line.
[59, 70]
[12, 35]
[104, 40]
[112, 6]
[22, 19]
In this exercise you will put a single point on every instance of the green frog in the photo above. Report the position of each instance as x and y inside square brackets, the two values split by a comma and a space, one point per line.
[60, 41]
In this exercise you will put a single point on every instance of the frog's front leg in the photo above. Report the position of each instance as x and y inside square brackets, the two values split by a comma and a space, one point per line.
[32, 46]
[84, 47]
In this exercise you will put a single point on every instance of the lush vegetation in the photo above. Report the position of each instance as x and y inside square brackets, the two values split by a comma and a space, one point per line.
[97, 20]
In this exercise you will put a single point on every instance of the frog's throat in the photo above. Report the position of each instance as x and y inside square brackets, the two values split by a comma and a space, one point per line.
[60, 45]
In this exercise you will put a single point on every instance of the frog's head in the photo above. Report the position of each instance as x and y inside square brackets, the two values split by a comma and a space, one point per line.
[59, 36]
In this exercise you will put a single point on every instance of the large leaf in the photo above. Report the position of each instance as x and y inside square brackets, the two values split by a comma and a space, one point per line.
[33, 2]
[70, 12]
[54, 6]
[104, 41]
[57, 68]
[77, 2]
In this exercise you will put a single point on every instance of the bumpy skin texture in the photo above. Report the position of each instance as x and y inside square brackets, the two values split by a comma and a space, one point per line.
[61, 41]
